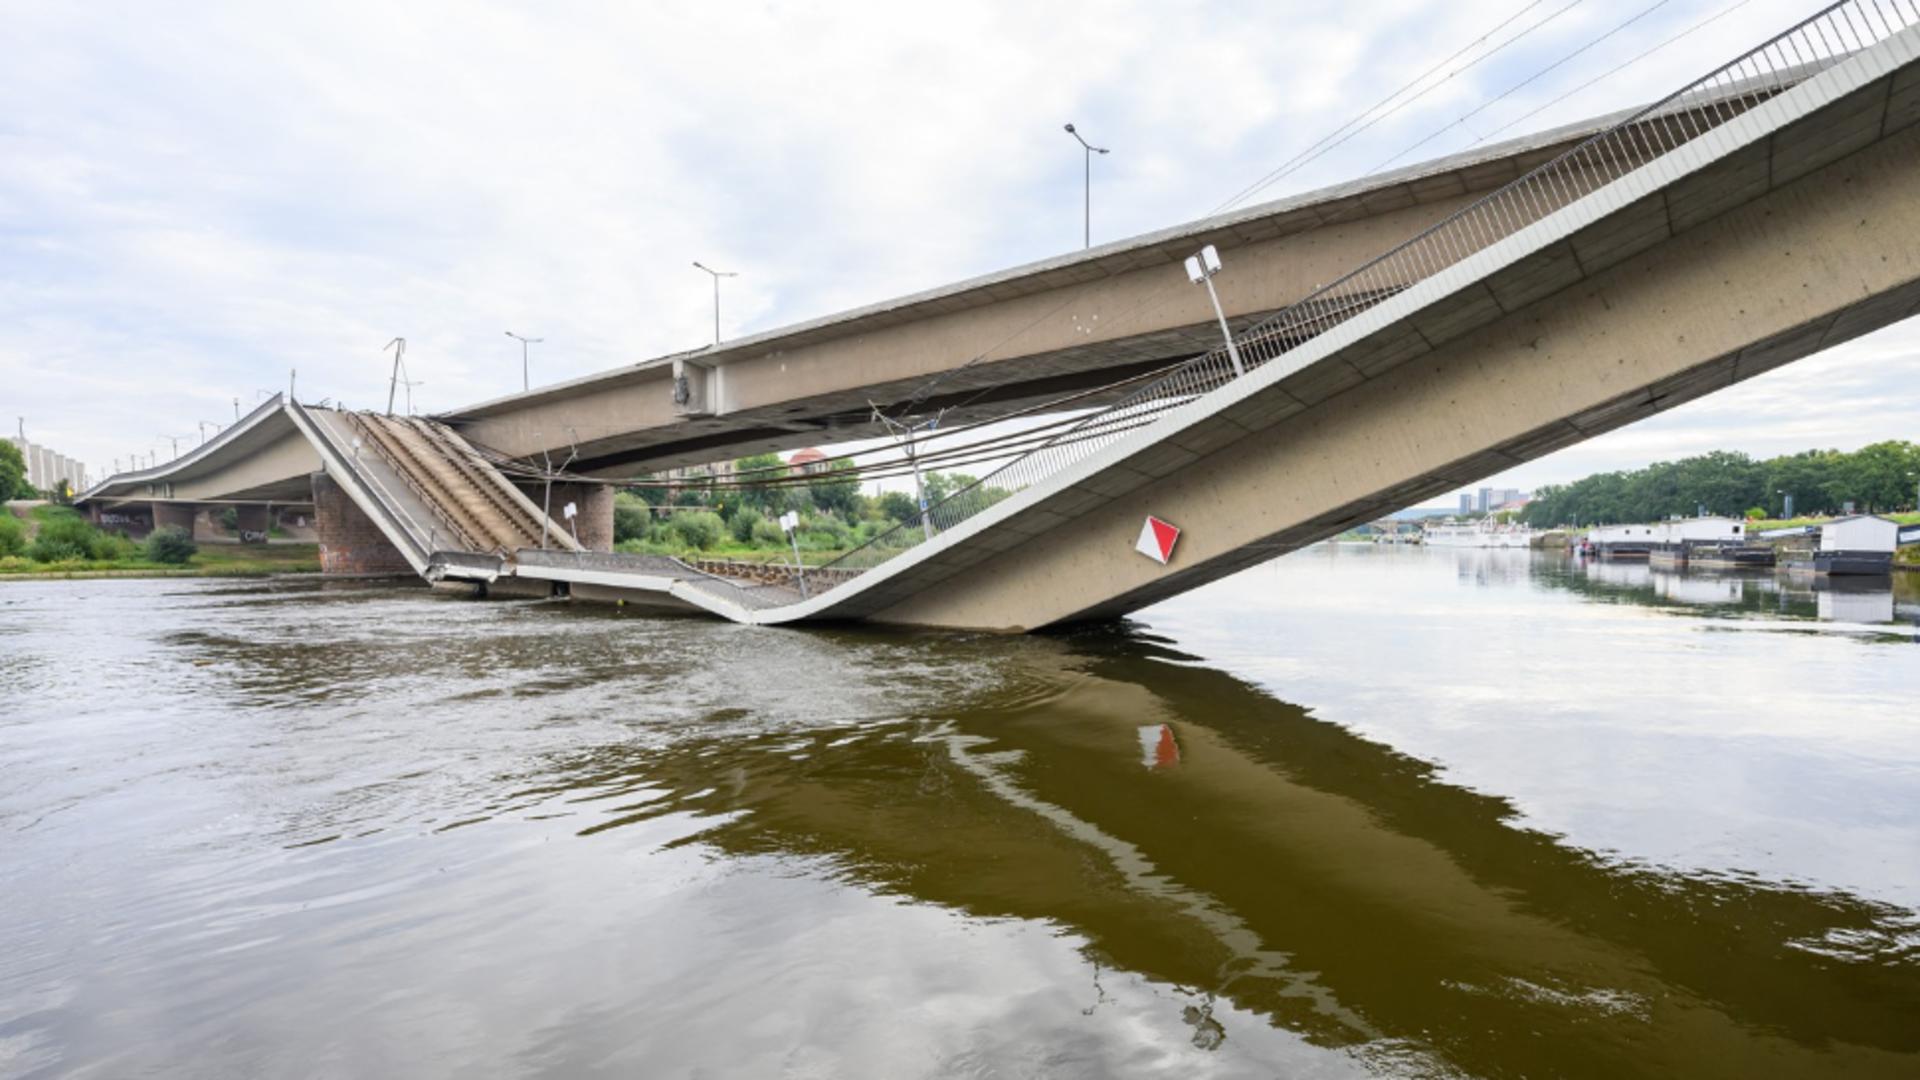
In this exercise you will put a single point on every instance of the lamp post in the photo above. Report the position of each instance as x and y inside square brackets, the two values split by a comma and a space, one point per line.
[523, 354]
[204, 425]
[1786, 504]
[1201, 267]
[1090, 150]
[175, 440]
[717, 275]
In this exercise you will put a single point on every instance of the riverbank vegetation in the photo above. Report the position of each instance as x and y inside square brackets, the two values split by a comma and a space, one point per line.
[1879, 478]
[707, 518]
[55, 541]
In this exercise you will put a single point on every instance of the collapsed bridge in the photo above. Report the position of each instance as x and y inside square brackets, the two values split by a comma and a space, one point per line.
[1475, 313]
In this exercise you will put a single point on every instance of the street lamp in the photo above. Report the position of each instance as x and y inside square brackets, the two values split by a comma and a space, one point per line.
[524, 342]
[717, 275]
[1786, 504]
[204, 425]
[1201, 266]
[1090, 151]
[175, 440]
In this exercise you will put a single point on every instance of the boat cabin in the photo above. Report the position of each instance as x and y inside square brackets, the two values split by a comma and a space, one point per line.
[1861, 544]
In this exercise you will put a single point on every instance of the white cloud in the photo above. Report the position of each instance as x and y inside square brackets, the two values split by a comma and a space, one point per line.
[191, 204]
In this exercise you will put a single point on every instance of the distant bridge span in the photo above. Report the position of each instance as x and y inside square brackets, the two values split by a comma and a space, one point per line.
[1763, 214]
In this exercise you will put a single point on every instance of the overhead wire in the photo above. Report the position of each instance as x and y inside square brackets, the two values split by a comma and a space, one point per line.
[1323, 147]
[1610, 72]
[1521, 85]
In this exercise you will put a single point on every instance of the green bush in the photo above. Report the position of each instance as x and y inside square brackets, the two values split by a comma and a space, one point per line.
[824, 534]
[64, 530]
[701, 529]
[13, 535]
[170, 544]
[744, 522]
[115, 546]
[767, 533]
[53, 549]
[630, 517]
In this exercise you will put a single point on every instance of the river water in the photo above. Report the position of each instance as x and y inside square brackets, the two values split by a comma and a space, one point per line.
[1357, 812]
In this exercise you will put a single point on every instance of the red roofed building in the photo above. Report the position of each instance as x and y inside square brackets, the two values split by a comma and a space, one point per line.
[810, 460]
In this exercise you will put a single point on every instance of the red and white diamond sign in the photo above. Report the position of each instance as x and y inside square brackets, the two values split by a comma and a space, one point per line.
[1156, 540]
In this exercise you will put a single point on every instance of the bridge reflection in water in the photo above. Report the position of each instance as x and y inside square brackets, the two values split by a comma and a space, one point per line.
[402, 833]
[1323, 882]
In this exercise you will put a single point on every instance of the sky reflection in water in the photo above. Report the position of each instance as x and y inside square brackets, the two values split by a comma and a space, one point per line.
[1540, 819]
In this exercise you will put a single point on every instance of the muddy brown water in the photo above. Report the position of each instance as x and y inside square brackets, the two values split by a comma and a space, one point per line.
[1356, 812]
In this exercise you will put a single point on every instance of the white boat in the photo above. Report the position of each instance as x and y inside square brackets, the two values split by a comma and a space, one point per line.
[1484, 533]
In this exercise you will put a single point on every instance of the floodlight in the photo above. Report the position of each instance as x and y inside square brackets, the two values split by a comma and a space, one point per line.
[1210, 256]
[1193, 270]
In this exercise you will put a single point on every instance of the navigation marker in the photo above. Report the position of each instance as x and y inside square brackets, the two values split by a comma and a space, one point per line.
[1156, 540]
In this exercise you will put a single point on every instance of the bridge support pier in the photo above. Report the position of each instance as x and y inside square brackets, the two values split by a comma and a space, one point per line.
[593, 503]
[253, 521]
[174, 514]
[350, 543]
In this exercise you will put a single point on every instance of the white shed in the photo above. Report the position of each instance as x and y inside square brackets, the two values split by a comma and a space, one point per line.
[1705, 530]
[1862, 532]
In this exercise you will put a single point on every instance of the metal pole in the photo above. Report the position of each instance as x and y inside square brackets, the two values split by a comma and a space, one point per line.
[919, 488]
[236, 408]
[1233, 351]
[525, 378]
[716, 309]
[546, 504]
[399, 346]
[1088, 239]
[799, 568]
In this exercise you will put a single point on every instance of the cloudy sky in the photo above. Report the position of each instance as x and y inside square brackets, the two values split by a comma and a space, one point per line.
[194, 203]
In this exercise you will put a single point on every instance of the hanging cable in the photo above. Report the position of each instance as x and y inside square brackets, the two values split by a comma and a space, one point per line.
[1321, 148]
[1521, 85]
[1610, 72]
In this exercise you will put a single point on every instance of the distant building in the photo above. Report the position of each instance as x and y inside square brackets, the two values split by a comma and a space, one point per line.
[46, 468]
[810, 460]
[1466, 503]
[1488, 499]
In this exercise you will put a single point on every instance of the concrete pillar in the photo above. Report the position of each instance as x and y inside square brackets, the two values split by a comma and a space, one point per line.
[350, 543]
[593, 524]
[135, 520]
[593, 503]
[254, 522]
[180, 514]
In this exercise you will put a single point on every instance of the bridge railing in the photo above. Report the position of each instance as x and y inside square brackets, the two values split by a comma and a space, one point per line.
[1822, 40]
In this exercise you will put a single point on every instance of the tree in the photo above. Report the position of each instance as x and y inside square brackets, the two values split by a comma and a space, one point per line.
[1880, 476]
[631, 516]
[13, 473]
[754, 472]
[837, 489]
[897, 505]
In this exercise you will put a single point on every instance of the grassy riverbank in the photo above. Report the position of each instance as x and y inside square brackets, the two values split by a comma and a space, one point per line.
[1760, 525]
[45, 541]
[212, 560]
